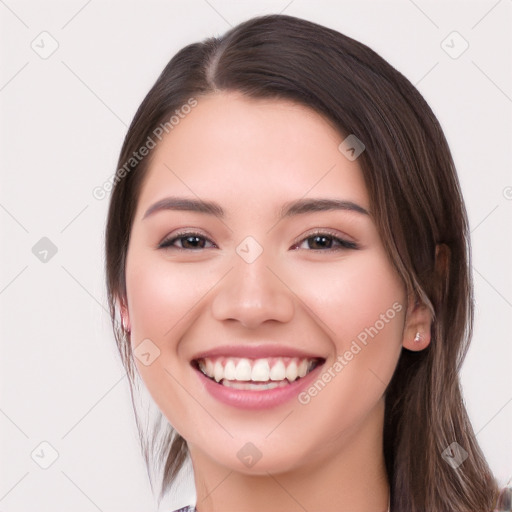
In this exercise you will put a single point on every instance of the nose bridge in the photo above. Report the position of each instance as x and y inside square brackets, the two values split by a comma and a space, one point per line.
[251, 293]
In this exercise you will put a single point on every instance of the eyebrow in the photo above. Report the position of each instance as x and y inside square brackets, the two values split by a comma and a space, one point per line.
[290, 209]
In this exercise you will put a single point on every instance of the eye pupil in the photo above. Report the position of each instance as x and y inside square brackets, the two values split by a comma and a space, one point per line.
[321, 241]
[194, 241]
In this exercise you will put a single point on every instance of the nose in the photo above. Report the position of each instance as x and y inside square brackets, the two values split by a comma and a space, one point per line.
[252, 294]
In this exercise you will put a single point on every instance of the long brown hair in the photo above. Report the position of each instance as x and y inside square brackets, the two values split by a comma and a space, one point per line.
[418, 208]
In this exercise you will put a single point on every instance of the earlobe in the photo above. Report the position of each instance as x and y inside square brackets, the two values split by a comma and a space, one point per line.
[126, 324]
[125, 317]
[420, 341]
[417, 329]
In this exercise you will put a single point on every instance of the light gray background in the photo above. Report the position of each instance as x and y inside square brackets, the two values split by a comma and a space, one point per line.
[62, 123]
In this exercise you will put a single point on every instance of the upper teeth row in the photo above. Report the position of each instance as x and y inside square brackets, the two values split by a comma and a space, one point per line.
[258, 370]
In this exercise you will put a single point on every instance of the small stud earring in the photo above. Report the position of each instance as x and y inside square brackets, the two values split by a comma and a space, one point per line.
[418, 338]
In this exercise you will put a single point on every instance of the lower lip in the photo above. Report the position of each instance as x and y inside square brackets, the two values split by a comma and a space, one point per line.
[264, 399]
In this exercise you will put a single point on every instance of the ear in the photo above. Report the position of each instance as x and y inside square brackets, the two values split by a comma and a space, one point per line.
[418, 321]
[125, 315]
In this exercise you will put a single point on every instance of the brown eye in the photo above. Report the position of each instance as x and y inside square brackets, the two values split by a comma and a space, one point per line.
[325, 241]
[186, 241]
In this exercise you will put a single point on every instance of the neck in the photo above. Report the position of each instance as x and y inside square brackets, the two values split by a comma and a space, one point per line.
[349, 475]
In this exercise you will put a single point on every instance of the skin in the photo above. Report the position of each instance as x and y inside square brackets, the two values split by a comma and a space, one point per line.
[252, 156]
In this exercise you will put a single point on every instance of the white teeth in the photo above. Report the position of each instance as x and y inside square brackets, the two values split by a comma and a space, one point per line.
[260, 371]
[278, 371]
[274, 369]
[230, 370]
[218, 371]
[243, 370]
[253, 387]
[303, 368]
[209, 367]
[291, 371]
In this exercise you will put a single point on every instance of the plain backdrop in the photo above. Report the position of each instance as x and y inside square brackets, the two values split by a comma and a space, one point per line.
[63, 119]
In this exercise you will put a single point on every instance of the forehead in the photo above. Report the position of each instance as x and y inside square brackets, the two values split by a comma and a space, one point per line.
[251, 150]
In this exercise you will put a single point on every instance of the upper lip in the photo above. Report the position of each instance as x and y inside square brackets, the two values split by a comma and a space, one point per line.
[256, 352]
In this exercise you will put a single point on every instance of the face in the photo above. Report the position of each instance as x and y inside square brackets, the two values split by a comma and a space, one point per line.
[254, 257]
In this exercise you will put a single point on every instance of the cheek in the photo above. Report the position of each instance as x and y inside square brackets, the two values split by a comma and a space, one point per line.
[160, 296]
[360, 298]
[360, 307]
[162, 301]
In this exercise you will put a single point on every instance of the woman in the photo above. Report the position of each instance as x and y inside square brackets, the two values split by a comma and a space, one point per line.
[288, 271]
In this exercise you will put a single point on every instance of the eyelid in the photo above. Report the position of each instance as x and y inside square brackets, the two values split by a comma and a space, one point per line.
[182, 233]
[340, 237]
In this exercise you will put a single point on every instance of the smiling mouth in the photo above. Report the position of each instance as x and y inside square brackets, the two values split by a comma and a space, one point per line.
[256, 374]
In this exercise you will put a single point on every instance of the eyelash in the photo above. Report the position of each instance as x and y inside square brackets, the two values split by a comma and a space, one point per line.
[343, 244]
